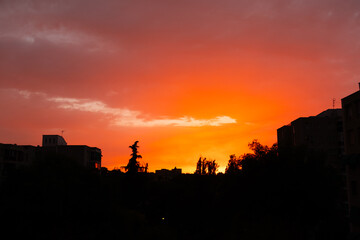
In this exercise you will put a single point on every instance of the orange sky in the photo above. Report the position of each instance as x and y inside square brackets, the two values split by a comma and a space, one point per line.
[185, 78]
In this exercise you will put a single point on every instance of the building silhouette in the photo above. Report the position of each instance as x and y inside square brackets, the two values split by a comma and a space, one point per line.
[13, 156]
[351, 116]
[53, 140]
[89, 157]
[317, 139]
[166, 174]
[321, 135]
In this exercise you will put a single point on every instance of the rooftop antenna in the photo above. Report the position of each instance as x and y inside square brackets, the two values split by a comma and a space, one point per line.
[334, 100]
[62, 133]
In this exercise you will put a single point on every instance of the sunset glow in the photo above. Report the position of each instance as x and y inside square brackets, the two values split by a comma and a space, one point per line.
[184, 78]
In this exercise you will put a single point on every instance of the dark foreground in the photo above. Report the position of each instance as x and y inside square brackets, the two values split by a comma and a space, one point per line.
[55, 199]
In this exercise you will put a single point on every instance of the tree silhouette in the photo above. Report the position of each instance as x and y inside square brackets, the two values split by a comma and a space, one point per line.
[134, 165]
[234, 165]
[262, 151]
[262, 154]
[203, 167]
[198, 167]
[206, 167]
[212, 167]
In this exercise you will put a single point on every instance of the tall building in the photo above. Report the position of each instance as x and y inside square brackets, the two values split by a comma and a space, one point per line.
[13, 156]
[351, 116]
[89, 157]
[322, 134]
[53, 140]
[351, 106]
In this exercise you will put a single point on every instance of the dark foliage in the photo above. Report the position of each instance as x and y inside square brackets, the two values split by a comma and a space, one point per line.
[234, 165]
[206, 167]
[134, 165]
[262, 156]
[268, 198]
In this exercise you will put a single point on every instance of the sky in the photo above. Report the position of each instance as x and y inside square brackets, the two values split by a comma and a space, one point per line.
[185, 78]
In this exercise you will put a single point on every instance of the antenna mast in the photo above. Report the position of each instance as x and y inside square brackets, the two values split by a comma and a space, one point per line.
[334, 100]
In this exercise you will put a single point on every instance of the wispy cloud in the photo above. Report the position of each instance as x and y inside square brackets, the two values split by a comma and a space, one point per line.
[183, 121]
[27, 94]
[124, 116]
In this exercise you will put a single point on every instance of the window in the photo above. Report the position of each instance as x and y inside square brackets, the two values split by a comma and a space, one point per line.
[339, 126]
[97, 165]
[353, 188]
[357, 109]
[348, 112]
[350, 137]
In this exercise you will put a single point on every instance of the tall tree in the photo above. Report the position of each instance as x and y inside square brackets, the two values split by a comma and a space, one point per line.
[212, 167]
[262, 155]
[206, 167]
[234, 165]
[203, 166]
[198, 167]
[134, 165]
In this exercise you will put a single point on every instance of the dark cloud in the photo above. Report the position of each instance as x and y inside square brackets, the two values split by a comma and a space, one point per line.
[82, 48]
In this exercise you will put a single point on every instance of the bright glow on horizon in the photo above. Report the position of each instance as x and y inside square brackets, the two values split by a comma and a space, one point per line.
[185, 78]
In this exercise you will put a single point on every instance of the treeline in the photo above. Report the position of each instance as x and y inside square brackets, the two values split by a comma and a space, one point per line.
[261, 196]
[261, 155]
